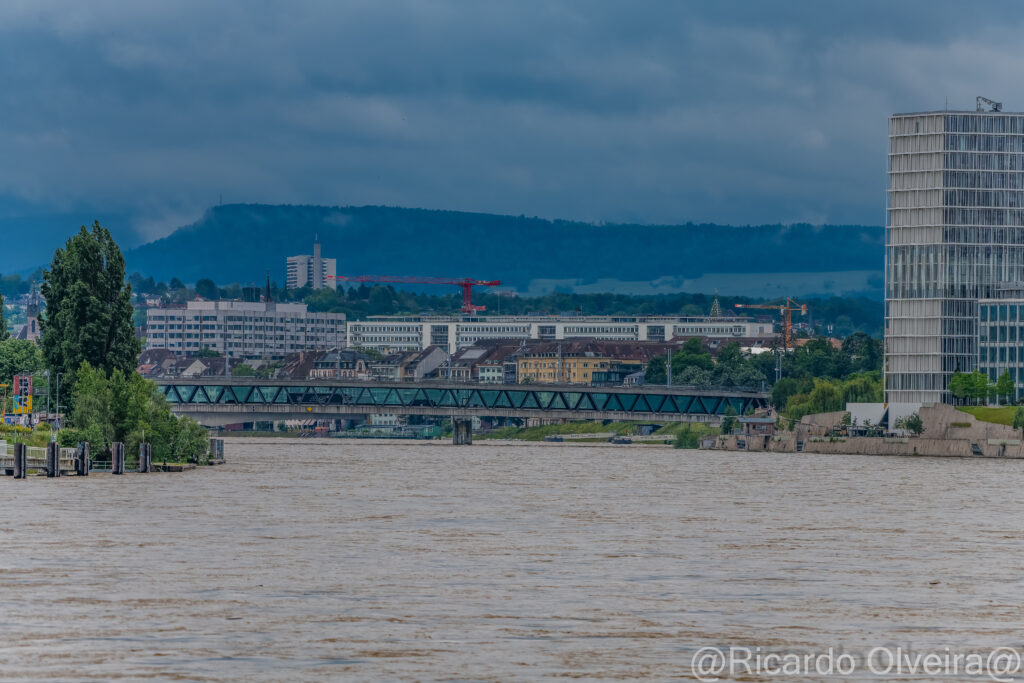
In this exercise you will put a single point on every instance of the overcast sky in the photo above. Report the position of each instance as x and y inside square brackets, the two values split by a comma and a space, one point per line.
[728, 112]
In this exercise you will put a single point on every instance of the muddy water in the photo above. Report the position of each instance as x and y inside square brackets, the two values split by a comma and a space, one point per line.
[357, 561]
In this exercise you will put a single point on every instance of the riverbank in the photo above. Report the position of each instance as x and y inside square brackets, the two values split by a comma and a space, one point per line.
[948, 432]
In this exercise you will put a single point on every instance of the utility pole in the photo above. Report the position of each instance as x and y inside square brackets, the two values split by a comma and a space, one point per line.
[558, 363]
[668, 367]
[56, 419]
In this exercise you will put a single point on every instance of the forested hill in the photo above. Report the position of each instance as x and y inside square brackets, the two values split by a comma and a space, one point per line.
[238, 243]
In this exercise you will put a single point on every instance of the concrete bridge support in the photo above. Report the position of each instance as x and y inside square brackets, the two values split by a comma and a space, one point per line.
[462, 432]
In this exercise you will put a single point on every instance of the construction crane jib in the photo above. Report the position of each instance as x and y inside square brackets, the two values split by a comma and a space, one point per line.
[464, 283]
[786, 310]
[982, 101]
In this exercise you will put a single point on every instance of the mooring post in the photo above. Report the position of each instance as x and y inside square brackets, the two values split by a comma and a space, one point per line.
[19, 461]
[52, 459]
[143, 465]
[82, 465]
[117, 458]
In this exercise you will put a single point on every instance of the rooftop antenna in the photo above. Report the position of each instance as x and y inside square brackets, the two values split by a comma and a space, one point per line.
[266, 293]
[980, 103]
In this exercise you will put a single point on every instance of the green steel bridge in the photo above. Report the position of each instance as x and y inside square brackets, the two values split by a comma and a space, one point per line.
[220, 401]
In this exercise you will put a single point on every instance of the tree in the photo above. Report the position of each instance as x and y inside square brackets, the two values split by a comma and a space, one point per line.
[18, 356]
[1004, 386]
[960, 385]
[207, 289]
[243, 370]
[729, 421]
[88, 315]
[912, 423]
[1018, 418]
[4, 334]
[978, 385]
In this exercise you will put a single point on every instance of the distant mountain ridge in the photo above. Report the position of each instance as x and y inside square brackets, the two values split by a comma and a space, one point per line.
[240, 242]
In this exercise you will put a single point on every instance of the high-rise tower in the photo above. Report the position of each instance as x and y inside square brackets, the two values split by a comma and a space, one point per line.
[954, 234]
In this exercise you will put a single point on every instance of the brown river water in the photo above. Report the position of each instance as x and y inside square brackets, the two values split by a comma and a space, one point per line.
[354, 560]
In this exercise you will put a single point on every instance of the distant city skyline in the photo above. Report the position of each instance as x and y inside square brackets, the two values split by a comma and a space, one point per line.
[650, 112]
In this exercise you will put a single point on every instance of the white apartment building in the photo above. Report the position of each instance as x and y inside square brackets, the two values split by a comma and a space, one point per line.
[954, 235]
[243, 329]
[313, 271]
[408, 333]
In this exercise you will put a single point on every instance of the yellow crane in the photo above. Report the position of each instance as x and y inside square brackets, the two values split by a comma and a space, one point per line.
[786, 310]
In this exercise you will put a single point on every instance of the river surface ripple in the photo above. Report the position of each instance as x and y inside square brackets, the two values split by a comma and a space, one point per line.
[353, 560]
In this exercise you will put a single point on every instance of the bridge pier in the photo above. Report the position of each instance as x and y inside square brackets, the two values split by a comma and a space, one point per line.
[462, 432]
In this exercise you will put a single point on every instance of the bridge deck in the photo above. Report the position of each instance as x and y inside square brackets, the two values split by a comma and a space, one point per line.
[226, 400]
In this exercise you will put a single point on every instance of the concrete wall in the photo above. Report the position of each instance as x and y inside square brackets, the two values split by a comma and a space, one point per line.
[948, 432]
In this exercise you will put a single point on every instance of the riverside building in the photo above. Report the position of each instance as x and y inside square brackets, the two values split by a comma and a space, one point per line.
[408, 333]
[244, 329]
[954, 235]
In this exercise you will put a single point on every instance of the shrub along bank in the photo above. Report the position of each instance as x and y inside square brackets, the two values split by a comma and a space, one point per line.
[129, 409]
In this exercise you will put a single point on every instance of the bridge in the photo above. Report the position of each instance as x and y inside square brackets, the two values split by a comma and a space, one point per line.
[221, 401]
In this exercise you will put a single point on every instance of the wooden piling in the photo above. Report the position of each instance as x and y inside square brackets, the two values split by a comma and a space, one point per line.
[82, 459]
[52, 459]
[143, 460]
[117, 458]
[20, 470]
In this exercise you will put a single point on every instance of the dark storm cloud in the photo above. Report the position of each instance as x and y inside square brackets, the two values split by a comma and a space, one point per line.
[648, 111]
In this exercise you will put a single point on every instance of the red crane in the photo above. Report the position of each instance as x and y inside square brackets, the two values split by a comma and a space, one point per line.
[465, 283]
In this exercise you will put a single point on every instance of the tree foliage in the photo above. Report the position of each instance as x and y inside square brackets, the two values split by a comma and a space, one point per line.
[912, 423]
[88, 315]
[4, 334]
[1004, 386]
[17, 357]
[129, 409]
[970, 386]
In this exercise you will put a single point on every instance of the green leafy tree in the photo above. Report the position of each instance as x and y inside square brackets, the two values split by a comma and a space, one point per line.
[729, 420]
[88, 315]
[687, 438]
[912, 423]
[207, 289]
[4, 334]
[960, 385]
[1004, 386]
[979, 386]
[91, 414]
[19, 356]
[243, 370]
[1018, 418]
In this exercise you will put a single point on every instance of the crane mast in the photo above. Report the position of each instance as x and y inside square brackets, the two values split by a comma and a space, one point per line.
[786, 310]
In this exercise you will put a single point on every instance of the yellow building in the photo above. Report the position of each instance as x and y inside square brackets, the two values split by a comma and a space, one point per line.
[545, 369]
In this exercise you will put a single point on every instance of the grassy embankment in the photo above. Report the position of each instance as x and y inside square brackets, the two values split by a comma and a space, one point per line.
[1002, 415]
[620, 429]
[30, 437]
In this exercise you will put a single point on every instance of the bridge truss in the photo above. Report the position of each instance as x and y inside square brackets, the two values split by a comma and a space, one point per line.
[337, 397]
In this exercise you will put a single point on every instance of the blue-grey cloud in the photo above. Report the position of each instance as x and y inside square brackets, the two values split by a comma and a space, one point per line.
[733, 112]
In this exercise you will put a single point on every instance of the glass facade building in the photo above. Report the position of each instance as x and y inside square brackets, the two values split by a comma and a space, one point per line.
[1001, 340]
[954, 235]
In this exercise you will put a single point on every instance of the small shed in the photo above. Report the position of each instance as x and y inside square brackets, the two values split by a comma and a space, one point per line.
[757, 426]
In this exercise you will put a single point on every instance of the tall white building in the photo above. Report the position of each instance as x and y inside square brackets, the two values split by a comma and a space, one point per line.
[315, 271]
[244, 329]
[954, 234]
[407, 333]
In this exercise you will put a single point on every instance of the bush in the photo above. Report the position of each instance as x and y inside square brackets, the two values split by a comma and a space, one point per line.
[687, 438]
